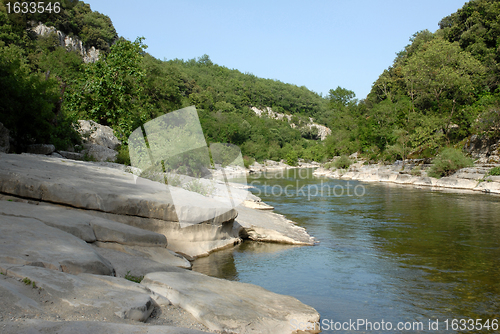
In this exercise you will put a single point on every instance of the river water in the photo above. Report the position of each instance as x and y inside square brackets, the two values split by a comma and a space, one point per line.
[410, 257]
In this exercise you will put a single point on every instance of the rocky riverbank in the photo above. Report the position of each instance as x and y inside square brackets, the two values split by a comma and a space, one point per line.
[75, 237]
[470, 179]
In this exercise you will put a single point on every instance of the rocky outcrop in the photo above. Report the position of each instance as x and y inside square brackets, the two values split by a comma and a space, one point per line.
[63, 241]
[4, 139]
[97, 134]
[100, 143]
[483, 149]
[121, 196]
[90, 55]
[268, 226]
[323, 131]
[230, 306]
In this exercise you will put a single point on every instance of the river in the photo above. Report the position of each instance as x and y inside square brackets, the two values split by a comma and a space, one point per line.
[410, 257]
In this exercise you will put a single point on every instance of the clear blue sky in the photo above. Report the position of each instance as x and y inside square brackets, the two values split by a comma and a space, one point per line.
[319, 44]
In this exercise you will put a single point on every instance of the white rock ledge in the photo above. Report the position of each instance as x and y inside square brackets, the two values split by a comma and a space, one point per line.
[472, 178]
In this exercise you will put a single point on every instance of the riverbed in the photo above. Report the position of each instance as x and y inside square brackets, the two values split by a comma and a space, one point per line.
[386, 255]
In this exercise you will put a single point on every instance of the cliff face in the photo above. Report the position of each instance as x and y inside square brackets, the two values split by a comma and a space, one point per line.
[70, 43]
[323, 131]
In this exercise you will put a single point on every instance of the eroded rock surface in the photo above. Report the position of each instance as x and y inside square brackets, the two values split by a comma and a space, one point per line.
[84, 185]
[258, 225]
[111, 295]
[231, 306]
[27, 241]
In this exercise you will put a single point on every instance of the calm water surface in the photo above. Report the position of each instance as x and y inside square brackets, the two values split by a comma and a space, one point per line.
[396, 254]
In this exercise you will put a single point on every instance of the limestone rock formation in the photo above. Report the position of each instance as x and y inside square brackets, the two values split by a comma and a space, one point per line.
[90, 55]
[113, 295]
[323, 131]
[97, 134]
[483, 148]
[27, 241]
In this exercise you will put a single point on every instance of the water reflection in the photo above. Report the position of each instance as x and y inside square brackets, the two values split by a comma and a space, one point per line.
[222, 263]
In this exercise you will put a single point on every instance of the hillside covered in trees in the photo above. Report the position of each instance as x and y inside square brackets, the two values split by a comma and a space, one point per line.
[441, 89]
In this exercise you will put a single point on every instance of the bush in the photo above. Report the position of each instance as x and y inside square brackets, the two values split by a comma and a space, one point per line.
[248, 161]
[123, 156]
[329, 165]
[449, 161]
[292, 158]
[342, 163]
[417, 171]
[495, 171]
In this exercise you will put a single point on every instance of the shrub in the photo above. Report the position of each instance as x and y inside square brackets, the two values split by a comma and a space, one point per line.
[248, 161]
[329, 165]
[342, 163]
[123, 156]
[292, 158]
[449, 161]
[417, 171]
[495, 171]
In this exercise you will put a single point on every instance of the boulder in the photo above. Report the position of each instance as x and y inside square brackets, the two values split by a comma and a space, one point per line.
[4, 139]
[44, 149]
[72, 155]
[28, 241]
[94, 133]
[268, 226]
[231, 306]
[99, 153]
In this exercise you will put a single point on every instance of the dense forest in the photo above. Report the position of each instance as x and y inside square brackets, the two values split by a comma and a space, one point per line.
[442, 88]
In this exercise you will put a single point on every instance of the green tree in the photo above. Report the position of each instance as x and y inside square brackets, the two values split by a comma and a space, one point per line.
[340, 97]
[110, 91]
[440, 77]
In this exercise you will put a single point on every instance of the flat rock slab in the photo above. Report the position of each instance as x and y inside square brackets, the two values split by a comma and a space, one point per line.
[87, 327]
[139, 261]
[14, 296]
[57, 217]
[268, 226]
[28, 241]
[111, 295]
[231, 306]
[89, 186]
